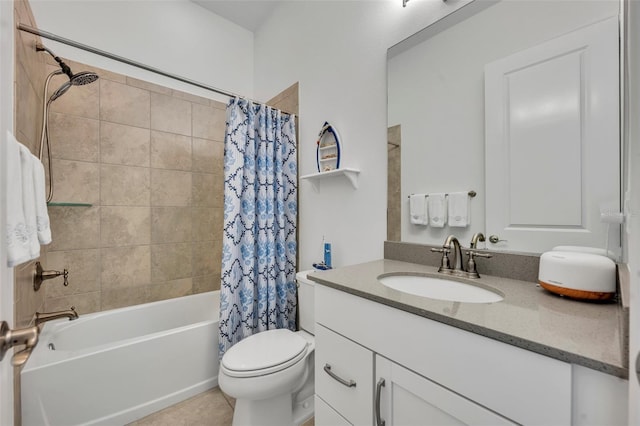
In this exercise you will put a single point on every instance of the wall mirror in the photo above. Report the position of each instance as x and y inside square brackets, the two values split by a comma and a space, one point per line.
[519, 101]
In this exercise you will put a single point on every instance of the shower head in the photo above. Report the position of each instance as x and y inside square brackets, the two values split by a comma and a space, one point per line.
[79, 79]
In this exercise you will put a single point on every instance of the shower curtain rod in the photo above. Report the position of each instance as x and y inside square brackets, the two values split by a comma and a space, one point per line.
[90, 49]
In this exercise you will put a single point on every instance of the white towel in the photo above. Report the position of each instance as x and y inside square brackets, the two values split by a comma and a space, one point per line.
[42, 214]
[459, 213]
[418, 209]
[18, 238]
[437, 207]
[29, 200]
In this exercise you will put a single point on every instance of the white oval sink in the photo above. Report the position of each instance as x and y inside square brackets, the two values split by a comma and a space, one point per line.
[441, 289]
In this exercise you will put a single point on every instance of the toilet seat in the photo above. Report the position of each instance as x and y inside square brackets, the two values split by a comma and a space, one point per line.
[264, 353]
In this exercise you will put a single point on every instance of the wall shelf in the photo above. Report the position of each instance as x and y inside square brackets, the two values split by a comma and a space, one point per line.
[67, 204]
[349, 173]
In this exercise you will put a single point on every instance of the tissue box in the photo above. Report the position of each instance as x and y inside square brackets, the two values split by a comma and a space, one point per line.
[578, 275]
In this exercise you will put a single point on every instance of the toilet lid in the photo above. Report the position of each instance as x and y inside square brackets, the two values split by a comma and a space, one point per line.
[264, 353]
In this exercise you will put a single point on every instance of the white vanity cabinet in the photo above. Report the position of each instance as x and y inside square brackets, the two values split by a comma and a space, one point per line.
[403, 397]
[433, 371]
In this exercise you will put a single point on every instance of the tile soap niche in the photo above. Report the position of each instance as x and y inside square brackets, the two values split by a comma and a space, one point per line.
[328, 158]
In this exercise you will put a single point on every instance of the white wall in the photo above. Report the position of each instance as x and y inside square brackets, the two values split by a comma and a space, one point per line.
[175, 36]
[337, 51]
[436, 92]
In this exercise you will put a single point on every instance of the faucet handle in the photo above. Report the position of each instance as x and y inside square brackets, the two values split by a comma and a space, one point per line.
[444, 263]
[472, 271]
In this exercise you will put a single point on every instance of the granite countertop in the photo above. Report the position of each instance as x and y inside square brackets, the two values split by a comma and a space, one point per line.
[578, 332]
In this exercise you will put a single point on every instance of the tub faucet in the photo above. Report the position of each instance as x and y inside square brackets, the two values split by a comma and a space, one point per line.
[451, 243]
[41, 317]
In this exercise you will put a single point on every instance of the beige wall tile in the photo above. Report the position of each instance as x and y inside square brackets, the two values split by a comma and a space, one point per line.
[170, 188]
[28, 115]
[170, 289]
[128, 296]
[192, 98]
[124, 185]
[74, 227]
[128, 145]
[148, 86]
[27, 301]
[218, 104]
[76, 181]
[204, 186]
[170, 151]
[204, 258]
[82, 101]
[170, 115]
[208, 122]
[123, 267]
[206, 283]
[208, 156]
[74, 138]
[206, 223]
[83, 267]
[170, 224]
[124, 104]
[84, 303]
[170, 261]
[125, 226]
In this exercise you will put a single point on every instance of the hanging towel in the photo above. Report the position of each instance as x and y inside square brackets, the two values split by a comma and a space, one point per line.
[42, 214]
[17, 239]
[418, 209]
[459, 213]
[29, 200]
[437, 207]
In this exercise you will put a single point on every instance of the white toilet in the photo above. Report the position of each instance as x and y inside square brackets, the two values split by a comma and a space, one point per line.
[270, 374]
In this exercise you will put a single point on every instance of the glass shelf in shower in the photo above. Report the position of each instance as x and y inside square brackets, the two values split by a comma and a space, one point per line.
[67, 204]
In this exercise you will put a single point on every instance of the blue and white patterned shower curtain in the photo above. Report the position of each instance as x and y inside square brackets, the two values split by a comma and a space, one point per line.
[258, 290]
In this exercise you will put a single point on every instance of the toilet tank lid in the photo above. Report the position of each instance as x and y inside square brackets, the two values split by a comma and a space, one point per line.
[264, 350]
[302, 276]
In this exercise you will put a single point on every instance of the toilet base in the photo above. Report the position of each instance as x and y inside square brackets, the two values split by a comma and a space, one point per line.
[268, 412]
[303, 410]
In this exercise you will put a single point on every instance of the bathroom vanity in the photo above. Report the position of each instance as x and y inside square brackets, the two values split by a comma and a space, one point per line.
[388, 357]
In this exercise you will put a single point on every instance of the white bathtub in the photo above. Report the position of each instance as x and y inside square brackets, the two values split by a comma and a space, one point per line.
[113, 367]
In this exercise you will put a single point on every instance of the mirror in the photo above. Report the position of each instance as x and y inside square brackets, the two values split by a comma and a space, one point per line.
[436, 112]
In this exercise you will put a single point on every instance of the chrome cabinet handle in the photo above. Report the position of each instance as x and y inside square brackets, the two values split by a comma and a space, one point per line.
[379, 386]
[347, 383]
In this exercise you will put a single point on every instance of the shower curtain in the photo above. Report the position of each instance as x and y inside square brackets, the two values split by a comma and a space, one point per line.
[258, 290]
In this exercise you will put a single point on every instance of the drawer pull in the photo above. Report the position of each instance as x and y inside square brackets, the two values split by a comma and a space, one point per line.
[347, 383]
[379, 386]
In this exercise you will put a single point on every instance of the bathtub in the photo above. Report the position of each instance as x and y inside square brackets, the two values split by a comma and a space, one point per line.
[113, 367]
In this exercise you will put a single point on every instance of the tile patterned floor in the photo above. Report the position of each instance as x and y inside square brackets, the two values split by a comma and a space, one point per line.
[210, 408]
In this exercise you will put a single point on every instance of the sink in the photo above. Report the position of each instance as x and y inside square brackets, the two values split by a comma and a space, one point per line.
[438, 288]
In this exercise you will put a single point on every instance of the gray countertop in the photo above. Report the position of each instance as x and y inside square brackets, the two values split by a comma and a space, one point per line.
[578, 332]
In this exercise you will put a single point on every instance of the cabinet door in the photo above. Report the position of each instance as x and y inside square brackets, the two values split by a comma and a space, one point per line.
[344, 376]
[324, 415]
[406, 398]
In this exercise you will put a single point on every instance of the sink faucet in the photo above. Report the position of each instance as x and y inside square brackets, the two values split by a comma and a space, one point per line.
[451, 244]
[41, 317]
[477, 237]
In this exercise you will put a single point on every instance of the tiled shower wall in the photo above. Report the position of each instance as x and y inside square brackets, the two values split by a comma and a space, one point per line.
[149, 160]
[29, 81]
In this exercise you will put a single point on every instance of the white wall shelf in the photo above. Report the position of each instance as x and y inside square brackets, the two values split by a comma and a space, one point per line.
[349, 173]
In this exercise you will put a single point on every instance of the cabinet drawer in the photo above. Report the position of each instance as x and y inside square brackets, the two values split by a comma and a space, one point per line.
[339, 361]
[327, 416]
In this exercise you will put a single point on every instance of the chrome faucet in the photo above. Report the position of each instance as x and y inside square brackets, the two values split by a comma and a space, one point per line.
[445, 265]
[458, 269]
[41, 317]
[477, 237]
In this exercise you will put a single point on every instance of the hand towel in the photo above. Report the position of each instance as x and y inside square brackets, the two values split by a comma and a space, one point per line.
[418, 209]
[437, 207]
[459, 213]
[42, 214]
[17, 239]
[29, 200]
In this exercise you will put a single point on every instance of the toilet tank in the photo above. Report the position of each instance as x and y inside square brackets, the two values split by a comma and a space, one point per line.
[306, 289]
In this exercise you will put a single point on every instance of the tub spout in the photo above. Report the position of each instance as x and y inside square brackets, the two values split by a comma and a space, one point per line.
[41, 317]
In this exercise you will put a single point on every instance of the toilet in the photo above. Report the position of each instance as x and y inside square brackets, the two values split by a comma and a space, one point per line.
[270, 374]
